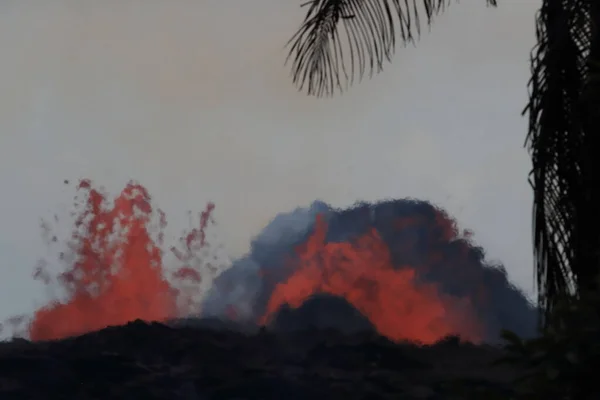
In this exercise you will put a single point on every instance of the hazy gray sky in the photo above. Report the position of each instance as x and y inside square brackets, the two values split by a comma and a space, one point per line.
[191, 98]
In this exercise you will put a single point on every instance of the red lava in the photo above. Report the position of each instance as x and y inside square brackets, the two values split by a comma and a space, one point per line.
[361, 271]
[117, 275]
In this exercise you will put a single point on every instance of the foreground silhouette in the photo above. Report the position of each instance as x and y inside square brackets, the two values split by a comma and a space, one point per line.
[156, 361]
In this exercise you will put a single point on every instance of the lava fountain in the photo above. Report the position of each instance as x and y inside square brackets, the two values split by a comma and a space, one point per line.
[361, 271]
[401, 265]
[117, 273]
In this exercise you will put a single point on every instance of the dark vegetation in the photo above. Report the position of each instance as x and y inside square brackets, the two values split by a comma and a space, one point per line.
[561, 363]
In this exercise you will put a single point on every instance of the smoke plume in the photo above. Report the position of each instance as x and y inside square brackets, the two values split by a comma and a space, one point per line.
[419, 236]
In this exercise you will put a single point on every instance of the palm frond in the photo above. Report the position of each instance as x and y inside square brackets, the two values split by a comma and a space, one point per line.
[561, 156]
[325, 60]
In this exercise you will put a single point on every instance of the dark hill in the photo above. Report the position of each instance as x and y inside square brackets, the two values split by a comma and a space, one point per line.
[321, 311]
[155, 361]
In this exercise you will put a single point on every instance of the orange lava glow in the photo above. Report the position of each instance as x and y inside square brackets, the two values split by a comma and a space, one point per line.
[361, 271]
[117, 275]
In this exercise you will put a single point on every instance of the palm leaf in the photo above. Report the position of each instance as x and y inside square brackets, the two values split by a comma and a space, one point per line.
[564, 161]
[341, 41]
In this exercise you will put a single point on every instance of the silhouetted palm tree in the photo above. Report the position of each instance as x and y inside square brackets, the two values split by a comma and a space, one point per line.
[564, 144]
[342, 40]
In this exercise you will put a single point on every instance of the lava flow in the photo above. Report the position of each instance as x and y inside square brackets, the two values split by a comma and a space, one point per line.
[361, 271]
[117, 274]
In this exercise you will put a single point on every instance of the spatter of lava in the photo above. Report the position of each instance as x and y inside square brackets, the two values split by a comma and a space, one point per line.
[362, 272]
[117, 272]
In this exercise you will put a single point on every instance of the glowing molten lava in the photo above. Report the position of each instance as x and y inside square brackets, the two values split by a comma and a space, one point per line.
[361, 271]
[117, 275]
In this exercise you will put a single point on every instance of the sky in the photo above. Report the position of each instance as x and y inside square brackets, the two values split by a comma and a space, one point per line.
[192, 99]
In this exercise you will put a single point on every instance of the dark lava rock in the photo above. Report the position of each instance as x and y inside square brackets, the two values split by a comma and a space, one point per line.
[156, 361]
[213, 323]
[321, 311]
[268, 388]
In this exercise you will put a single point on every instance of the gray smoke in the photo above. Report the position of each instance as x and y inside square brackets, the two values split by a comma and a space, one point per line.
[414, 231]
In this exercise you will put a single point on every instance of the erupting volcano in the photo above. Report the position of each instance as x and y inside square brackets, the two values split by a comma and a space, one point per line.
[117, 272]
[361, 271]
[401, 266]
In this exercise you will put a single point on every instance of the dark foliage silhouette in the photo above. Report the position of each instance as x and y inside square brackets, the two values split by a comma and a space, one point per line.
[562, 139]
[341, 41]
